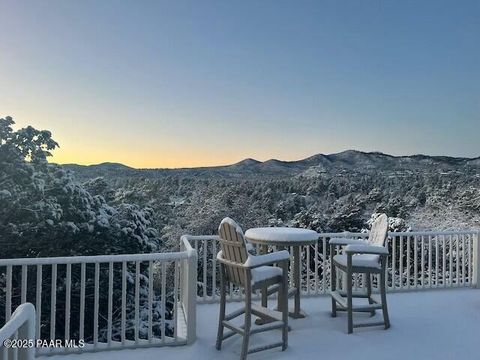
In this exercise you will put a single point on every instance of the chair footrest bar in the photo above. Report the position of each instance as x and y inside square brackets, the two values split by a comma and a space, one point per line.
[339, 298]
[235, 313]
[273, 289]
[237, 329]
[292, 291]
[265, 347]
[266, 313]
[267, 327]
[365, 324]
[228, 334]
[355, 310]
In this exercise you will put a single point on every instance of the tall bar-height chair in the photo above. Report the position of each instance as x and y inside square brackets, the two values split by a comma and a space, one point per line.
[365, 257]
[251, 272]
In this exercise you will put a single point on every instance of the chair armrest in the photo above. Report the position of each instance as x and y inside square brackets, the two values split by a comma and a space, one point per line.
[346, 241]
[366, 249]
[254, 261]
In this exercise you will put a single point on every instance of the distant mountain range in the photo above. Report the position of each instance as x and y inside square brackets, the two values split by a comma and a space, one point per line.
[350, 160]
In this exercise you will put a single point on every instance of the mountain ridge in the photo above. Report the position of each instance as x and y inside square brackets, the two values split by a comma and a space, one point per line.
[348, 160]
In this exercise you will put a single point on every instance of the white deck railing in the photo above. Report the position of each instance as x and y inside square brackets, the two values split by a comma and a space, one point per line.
[121, 301]
[19, 331]
[114, 301]
[417, 260]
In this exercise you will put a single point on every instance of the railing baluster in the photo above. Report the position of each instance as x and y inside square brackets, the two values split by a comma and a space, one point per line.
[23, 297]
[463, 259]
[53, 302]
[450, 264]
[68, 290]
[457, 259]
[82, 302]
[469, 259]
[175, 297]
[308, 268]
[408, 262]
[400, 266]
[429, 261]
[150, 301]
[316, 267]
[124, 301]
[96, 297]
[436, 261]
[110, 302]
[38, 301]
[205, 285]
[394, 260]
[8, 301]
[163, 299]
[444, 262]
[415, 261]
[214, 270]
[137, 299]
[422, 266]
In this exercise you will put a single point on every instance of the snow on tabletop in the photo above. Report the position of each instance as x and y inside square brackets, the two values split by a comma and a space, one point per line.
[436, 324]
[281, 233]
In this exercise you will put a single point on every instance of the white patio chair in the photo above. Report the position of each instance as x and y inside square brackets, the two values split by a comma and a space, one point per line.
[365, 257]
[251, 272]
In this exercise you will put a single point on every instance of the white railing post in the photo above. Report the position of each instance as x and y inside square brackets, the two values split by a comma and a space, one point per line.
[27, 331]
[22, 322]
[189, 290]
[192, 298]
[476, 261]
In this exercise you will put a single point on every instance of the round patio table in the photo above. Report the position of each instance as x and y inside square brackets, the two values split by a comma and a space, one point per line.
[285, 237]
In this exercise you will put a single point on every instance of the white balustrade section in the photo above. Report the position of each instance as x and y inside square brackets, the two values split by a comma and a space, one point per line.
[107, 302]
[20, 328]
[417, 261]
[121, 301]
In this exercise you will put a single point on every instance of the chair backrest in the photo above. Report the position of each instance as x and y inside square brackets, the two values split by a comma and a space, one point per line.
[234, 249]
[378, 232]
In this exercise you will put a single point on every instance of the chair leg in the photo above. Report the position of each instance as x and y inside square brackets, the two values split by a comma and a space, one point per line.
[368, 278]
[333, 281]
[221, 316]
[248, 320]
[349, 300]
[383, 293]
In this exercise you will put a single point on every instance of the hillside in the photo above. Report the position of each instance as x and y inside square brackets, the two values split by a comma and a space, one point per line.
[335, 192]
[350, 160]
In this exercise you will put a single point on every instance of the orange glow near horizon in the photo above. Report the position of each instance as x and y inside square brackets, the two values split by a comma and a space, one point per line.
[180, 160]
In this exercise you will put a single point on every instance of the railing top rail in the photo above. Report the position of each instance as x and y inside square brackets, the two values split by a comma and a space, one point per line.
[405, 233]
[188, 238]
[96, 259]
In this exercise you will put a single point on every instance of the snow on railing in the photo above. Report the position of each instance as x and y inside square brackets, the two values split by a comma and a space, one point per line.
[96, 303]
[17, 336]
[417, 260]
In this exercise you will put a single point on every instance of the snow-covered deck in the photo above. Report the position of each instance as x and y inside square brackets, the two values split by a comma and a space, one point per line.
[436, 324]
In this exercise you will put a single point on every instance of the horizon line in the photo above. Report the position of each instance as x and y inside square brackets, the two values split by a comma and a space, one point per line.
[272, 159]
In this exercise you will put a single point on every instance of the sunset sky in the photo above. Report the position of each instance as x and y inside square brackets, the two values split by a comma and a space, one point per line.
[175, 84]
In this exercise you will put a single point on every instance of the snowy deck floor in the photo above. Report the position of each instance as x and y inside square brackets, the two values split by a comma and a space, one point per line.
[437, 324]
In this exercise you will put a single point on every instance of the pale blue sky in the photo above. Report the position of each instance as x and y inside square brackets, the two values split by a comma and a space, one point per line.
[167, 84]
